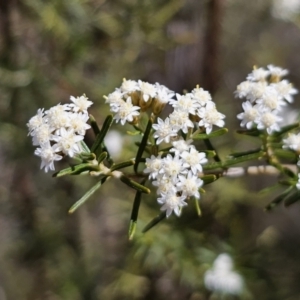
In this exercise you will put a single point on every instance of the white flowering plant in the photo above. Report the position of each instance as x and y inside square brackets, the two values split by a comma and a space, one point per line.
[166, 153]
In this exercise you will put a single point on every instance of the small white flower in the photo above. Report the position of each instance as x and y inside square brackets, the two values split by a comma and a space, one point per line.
[257, 91]
[249, 115]
[259, 74]
[210, 116]
[243, 89]
[58, 116]
[172, 166]
[194, 160]
[179, 119]
[78, 122]
[67, 142]
[277, 71]
[164, 184]
[181, 146]
[164, 131]
[80, 104]
[36, 121]
[171, 202]
[115, 100]
[185, 103]
[127, 111]
[222, 279]
[269, 121]
[48, 156]
[129, 86]
[153, 166]
[271, 100]
[148, 90]
[201, 96]
[164, 95]
[189, 185]
[42, 135]
[285, 90]
[292, 142]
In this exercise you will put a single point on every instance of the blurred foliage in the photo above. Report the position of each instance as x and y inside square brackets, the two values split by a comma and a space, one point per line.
[50, 50]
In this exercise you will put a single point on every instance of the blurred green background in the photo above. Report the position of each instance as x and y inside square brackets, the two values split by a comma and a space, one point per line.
[50, 50]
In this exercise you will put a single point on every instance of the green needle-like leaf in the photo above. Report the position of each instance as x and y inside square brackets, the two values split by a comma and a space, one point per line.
[279, 199]
[122, 165]
[291, 199]
[85, 197]
[98, 144]
[85, 147]
[135, 212]
[197, 205]
[135, 185]
[155, 221]
[239, 154]
[251, 132]
[94, 125]
[133, 133]
[142, 145]
[288, 154]
[209, 178]
[286, 129]
[233, 161]
[215, 133]
[75, 170]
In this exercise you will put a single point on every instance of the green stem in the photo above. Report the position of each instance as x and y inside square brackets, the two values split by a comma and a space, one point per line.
[143, 145]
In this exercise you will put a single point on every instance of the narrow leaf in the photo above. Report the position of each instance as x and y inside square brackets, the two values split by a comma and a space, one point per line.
[94, 125]
[209, 178]
[291, 199]
[215, 133]
[135, 212]
[85, 147]
[239, 154]
[278, 199]
[234, 161]
[288, 154]
[75, 170]
[286, 129]
[85, 197]
[97, 146]
[155, 221]
[135, 185]
[122, 165]
[197, 205]
[133, 133]
[251, 132]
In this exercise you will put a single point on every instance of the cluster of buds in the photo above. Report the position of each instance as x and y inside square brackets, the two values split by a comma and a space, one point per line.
[132, 96]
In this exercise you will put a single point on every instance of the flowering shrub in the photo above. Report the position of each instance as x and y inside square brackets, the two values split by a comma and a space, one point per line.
[166, 151]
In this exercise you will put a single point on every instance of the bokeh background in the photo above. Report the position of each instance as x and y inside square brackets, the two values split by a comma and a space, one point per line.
[50, 50]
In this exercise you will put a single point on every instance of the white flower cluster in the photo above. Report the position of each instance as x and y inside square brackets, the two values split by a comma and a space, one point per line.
[59, 130]
[176, 177]
[266, 93]
[131, 96]
[197, 106]
[221, 278]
